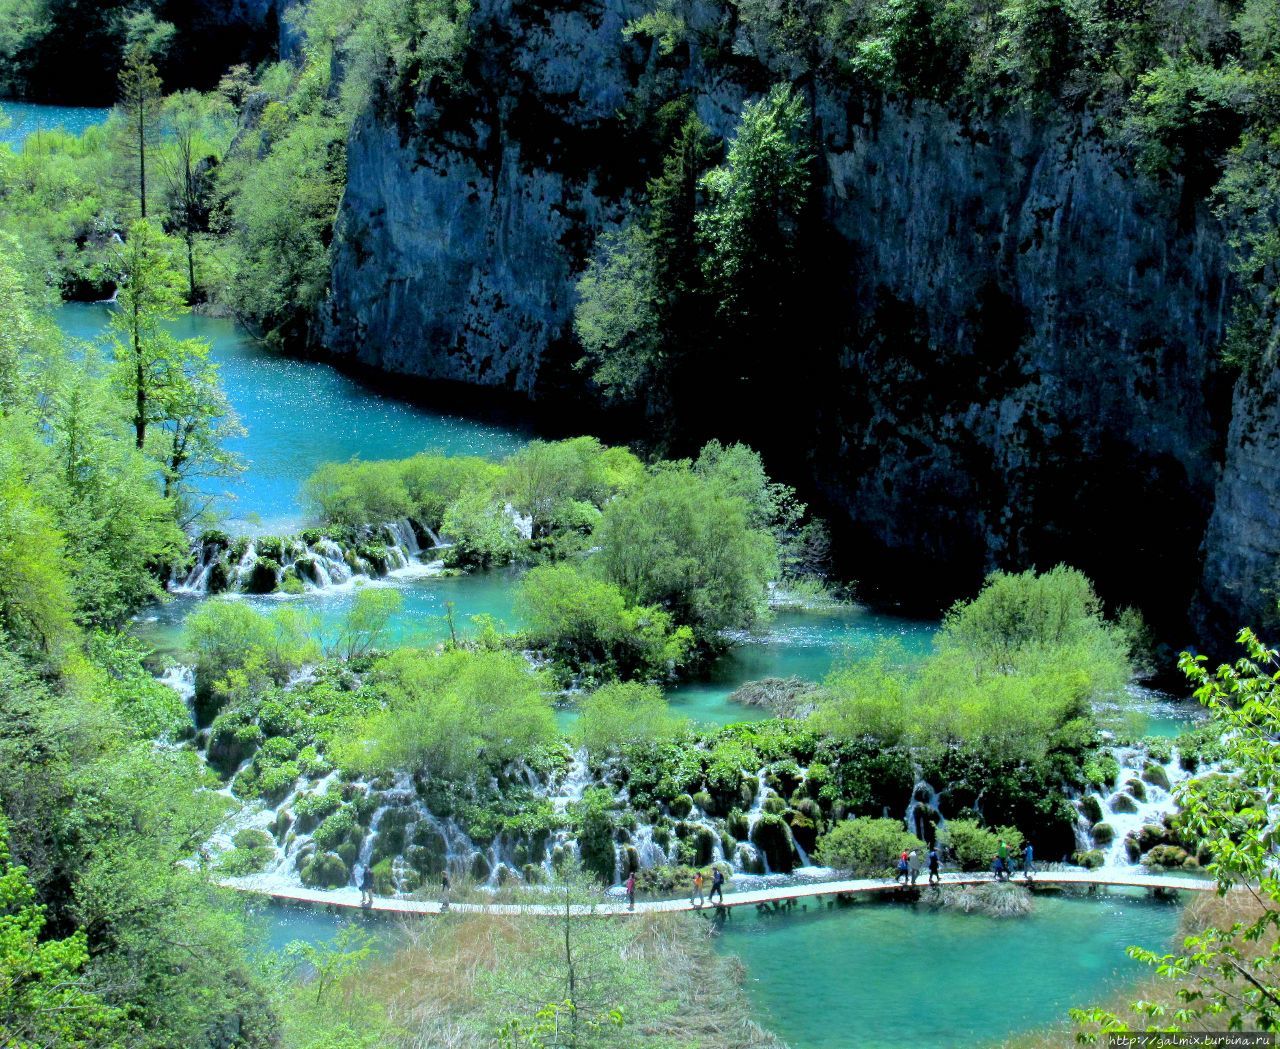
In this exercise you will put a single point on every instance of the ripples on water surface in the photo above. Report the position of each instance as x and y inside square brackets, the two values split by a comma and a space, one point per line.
[25, 119]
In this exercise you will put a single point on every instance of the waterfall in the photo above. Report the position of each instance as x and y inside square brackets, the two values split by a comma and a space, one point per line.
[925, 802]
[1138, 797]
[182, 679]
[312, 562]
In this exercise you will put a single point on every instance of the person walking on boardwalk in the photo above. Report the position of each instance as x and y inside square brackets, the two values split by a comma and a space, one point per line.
[1028, 862]
[631, 891]
[1004, 856]
[697, 889]
[366, 887]
[444, 890]
[717, 885]
[913, 866]
[904, 869]
[935, 865]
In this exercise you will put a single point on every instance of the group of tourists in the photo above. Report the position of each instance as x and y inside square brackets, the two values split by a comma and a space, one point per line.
[909, 867]
[695, 895]
[1001, 865]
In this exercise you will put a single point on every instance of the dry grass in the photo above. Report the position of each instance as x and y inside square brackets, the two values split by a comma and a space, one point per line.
[995, 900]
[439, 986]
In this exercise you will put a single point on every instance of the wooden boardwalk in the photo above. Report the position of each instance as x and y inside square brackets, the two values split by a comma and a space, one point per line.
[349, 898]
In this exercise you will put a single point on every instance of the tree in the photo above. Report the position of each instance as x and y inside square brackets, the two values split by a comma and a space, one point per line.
[1226, 977]
[197, 131]
[45, 998]
[617, 716]
[751, 231]
[36, 608]
[140, 97]
[685, 544]
[867, 847]
[372, 611]
[587, 624]
[641, 304]
[150, 361]
[451, 715]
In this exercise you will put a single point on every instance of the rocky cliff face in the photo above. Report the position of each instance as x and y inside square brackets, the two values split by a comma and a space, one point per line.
[1027, 372]
[1242, 545]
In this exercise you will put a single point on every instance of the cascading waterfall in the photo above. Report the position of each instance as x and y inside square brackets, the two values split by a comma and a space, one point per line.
[316, 563]
[1142, 795]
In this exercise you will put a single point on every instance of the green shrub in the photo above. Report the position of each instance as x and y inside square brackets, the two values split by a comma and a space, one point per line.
[973, 846]
[868, 848]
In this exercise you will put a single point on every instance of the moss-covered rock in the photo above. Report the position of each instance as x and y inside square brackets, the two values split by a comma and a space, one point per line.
[1091, 859]
[1136, 788]
[804, 830]
[325, 870]
[737, 824]
[1103, 834]
[775, 805]
[1090, 808]
[1166, 857]
[681, 806]
[1156, 775]
[772, 837]
[264, 576]
[1122, 803]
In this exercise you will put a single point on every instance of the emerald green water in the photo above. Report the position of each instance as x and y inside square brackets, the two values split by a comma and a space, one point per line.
[879, 974]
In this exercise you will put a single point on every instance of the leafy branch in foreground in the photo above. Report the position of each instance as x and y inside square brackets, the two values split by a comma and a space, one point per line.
[1226, 975]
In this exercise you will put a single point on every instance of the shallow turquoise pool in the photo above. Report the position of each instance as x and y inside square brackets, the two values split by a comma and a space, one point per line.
[892, 975]
[889, 975]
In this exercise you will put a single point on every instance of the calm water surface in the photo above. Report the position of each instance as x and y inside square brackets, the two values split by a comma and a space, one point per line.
[300, 414]
[885, 975]
[23, 119]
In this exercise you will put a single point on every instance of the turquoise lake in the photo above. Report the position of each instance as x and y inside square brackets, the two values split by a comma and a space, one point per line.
[25, 119]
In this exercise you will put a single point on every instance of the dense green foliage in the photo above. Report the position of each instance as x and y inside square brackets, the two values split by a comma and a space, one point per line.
[649, 565]
[723, 241]
[451, 714]
[869, 848]
[1012, 671]
[621, 715]
[585, 623]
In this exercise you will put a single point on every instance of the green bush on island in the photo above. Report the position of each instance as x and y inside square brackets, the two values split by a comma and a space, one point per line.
[1010, 669]
[586, 625]
[450, 714]
[252, 851]
[866, 847]
[684, 542]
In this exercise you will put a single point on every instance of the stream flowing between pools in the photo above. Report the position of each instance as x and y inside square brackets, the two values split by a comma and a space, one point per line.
[871, 974]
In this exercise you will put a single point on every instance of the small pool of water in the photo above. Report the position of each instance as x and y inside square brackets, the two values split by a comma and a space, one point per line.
[878, 974]
[300, 414]
[27, 118]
